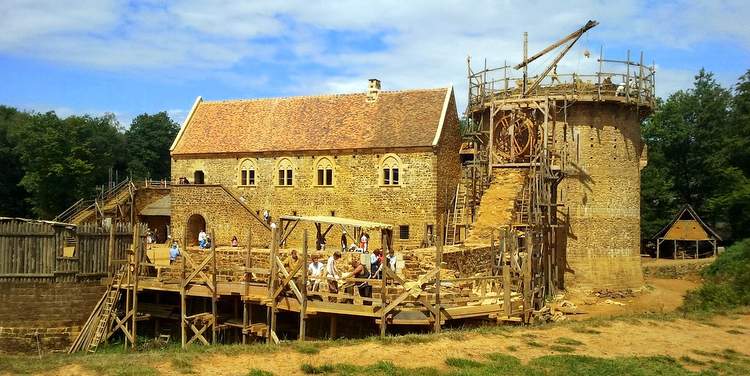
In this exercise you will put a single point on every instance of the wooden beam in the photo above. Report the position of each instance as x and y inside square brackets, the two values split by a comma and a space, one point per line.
[214, 297]
[303, 309]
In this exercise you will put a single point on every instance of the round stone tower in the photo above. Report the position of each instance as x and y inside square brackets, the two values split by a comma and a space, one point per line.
[584, 131]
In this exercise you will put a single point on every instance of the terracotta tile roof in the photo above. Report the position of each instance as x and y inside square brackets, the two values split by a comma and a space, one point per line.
[331, 122]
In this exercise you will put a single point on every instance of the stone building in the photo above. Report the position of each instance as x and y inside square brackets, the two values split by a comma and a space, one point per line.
[383, 156]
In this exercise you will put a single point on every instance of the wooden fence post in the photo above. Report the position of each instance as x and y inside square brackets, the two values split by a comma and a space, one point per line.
[214, 297]
[438, 265]
[246, 308]
[303, 288]
[272, 287]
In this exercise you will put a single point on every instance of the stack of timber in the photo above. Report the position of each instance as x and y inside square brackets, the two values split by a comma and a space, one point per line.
[96, 329]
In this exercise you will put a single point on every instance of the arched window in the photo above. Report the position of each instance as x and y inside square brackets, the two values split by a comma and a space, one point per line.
[285, 172]
[391, 170]
[247, 173]
[324, 169]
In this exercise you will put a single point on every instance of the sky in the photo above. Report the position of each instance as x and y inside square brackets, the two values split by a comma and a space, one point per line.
[133, 57]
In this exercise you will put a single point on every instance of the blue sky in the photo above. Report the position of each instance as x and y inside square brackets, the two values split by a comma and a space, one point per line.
[131, 57]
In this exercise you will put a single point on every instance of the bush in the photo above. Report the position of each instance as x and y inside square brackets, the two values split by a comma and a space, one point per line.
[726, 282]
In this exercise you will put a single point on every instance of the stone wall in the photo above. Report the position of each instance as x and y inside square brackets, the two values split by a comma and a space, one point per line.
[457, 261]
[448, 167]
[221, 212]
[48, 313]
[601, 194]
[357, 192]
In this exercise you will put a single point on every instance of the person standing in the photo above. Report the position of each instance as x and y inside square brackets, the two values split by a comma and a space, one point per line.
[333, 273]
[343, 241]
[363, 241]
[391, 259]
[174, 251]
[202, 239]
[314, 271]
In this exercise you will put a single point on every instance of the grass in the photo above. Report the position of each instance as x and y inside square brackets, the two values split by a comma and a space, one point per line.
[562, 349]
[306, 348]
[259, 372]
[692, 361]
[584, 330]
[462, 363]
[726, 282]
[533, 343]
[113, 360]
[558, 365]
[568, 341]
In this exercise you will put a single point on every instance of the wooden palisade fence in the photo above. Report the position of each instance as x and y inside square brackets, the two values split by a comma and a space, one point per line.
[48, 252]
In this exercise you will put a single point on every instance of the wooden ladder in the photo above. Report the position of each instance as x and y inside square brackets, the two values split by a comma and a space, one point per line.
[107, 309]
[96, 329]
[456, 216]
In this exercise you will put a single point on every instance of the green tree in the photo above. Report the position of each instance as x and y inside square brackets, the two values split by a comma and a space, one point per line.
[148, 142]
[688, 158]
[14, 196]
[65, 159]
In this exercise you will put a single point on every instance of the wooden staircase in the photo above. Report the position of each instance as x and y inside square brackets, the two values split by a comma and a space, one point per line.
[106, 201]
[97, 327]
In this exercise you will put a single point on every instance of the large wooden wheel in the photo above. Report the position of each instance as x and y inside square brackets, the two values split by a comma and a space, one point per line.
[514, 137]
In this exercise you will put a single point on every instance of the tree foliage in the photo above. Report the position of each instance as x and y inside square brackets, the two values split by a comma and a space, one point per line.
[698, 154]
[148, 140]
[13, 203]
[51, 162]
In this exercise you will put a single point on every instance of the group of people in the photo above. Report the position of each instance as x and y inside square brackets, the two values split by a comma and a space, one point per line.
[332, 273]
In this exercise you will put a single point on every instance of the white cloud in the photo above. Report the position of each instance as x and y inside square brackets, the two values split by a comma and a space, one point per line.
[422, 43]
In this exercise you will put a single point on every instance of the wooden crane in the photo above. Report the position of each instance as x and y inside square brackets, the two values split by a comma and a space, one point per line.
[571, 39]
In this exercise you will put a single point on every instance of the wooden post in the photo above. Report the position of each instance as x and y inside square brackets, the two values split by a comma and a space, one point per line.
[438, 265]
[506, 275]
[383, 297]
[696, 243]
[129, 264]
[272, 287]
[214, 295]
[245, 305]
[493, 266]
[714, 243]
[111, 249]
[658, 245]
[183, 293]
[674, 254]
[137, 265]
[303, 289]
[333, 326]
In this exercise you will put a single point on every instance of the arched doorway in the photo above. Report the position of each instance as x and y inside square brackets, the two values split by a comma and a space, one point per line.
[198, 177]
[196, 223]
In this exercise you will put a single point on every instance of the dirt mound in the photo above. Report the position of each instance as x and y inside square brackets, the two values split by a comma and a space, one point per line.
[496, 207]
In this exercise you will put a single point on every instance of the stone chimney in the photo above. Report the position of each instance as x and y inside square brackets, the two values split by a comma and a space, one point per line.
[373, 89]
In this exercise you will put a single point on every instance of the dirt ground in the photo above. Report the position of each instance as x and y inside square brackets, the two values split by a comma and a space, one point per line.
[617, 338]
[632, 335]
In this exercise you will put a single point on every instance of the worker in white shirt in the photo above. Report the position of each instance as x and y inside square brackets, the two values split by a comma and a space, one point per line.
[314, 272]
[333, 272]
[202, 239]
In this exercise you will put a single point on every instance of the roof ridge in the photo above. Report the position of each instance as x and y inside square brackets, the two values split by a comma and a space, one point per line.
[226, 101]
